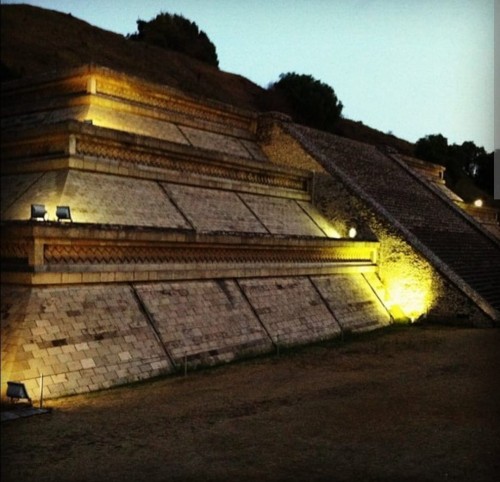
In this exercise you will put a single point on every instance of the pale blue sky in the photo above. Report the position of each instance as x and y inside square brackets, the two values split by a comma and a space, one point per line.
[413, 67]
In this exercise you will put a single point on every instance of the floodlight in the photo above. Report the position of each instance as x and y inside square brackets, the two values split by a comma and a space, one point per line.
[16, 391]
[63, 213]
[352, 232]
[38, 211]
[478, 203]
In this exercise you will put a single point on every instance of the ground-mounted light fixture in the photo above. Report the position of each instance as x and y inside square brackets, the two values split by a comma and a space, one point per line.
[17, 391]
[63, 213]
[352, 233]
[38, 212]
[478, 203]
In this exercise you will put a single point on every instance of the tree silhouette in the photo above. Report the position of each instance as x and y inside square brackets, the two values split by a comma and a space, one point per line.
[177, 33]
[433, 148]
[313, 102]
[465, 160]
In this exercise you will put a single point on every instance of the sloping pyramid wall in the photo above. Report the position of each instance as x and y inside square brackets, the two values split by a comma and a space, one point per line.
[88, 337]
[435, 260]
[187, 247]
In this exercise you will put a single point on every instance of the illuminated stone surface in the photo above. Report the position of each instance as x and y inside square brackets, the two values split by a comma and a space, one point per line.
[200, 235]
[352, 301]
[291, 310]
[81, 338]
[207, 321]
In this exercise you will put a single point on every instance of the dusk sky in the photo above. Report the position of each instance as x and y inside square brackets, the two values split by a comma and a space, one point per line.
[411, 67]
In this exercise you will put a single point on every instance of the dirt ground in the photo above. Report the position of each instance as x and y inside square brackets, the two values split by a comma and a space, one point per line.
[405, 404]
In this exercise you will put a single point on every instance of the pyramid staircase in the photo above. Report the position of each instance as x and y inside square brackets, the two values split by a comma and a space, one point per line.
[462, 250]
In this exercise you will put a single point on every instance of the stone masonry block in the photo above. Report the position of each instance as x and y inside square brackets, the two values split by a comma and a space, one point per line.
[110, 314]
[282, 216]
[214, 210]
[291, 309]
[353, 302]
[201, 320]
[97, 198]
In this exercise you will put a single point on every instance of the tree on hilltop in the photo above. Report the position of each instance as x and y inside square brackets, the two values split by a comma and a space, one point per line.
[461, 160]
[433, 148]
[177, 33]
[314, 103]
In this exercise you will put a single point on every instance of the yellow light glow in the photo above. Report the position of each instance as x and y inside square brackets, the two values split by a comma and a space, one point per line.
[352, 232]
[413, 303]
[409, 290]
[331, 232]
[478, 203]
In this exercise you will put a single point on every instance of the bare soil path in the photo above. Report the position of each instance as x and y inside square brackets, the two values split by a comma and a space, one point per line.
[404, 404]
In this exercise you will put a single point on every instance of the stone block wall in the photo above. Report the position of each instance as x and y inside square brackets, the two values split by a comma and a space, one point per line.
[353, 302]
[218, 211]
[111, 199]
[208, 322]
[81, 338]
[291, 310]
[282, 216]
[97, 198]
[86, 338]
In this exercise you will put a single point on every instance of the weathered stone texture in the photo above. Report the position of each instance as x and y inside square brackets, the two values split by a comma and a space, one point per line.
[291, 309]
[205, 321]
[282, 148]
[138, 124]
[352, 301]
[99, 198]
[421, 234]
[81, 338]
[42, 117]
[84, 338]
[215, 142]
[11, 189]
[214, 210]
[282, 216]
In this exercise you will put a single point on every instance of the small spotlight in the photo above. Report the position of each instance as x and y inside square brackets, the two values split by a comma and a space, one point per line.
[38, 211]
[63, 213]
[478, 203]
[352, 232]
[17, 391]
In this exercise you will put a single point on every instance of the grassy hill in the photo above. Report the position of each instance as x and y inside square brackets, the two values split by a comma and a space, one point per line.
[35, 40]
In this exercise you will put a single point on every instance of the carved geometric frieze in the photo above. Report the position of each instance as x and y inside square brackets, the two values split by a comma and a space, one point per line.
[15, 251]
[124, 153]
[93, 254]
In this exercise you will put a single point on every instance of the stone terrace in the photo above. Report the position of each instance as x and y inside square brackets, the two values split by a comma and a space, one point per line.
[187, 247]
